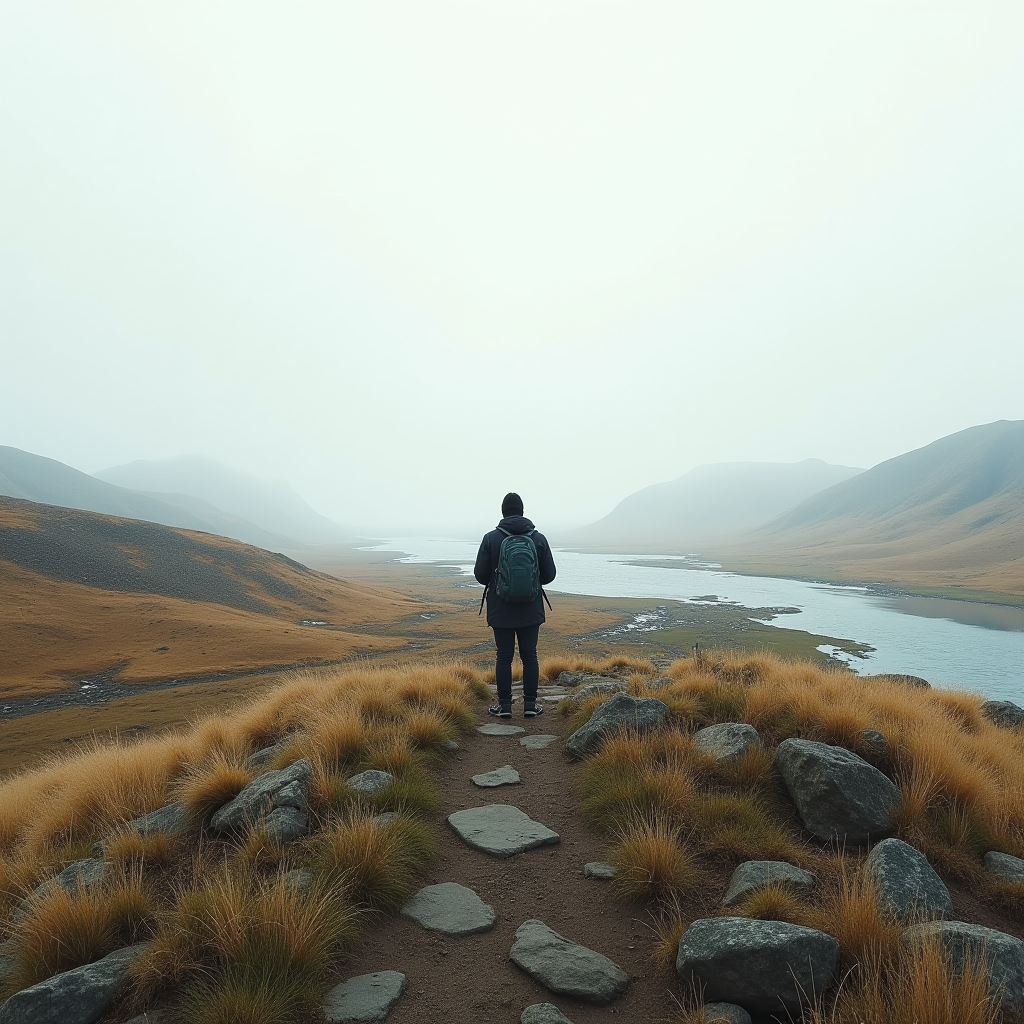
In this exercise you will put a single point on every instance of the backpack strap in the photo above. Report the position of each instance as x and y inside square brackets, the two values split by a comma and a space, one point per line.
[546, 598]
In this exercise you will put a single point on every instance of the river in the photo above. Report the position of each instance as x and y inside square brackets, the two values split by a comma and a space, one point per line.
[957, 644]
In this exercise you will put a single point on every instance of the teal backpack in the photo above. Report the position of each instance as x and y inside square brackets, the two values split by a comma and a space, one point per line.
[517, 579]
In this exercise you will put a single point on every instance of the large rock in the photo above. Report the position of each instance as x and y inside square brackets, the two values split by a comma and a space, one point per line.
[285, 824]
[1005, 867]
[1003, 713]
[758, 874]
[727, 740]
[764, 966]
[725, 1013]
[78, 996]
[543, 1013]
[905, 884]
[500, 829]
[838, 795]
[505, 776]
[371, 781]
[566, 967]
[1003, 954]
[599, 689]
[82, 874]
[263, 757]
[284, 788]
[450, 908]
[640, 714]
[170, 820]
[366, 998]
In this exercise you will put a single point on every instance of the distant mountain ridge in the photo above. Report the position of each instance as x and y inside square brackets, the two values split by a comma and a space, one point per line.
[273, 507]
[950, 514]
[709, 502]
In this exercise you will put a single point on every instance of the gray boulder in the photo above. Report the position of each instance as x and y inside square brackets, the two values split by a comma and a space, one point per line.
[906, 885]
[366, 998]
[659, 684]
[1002, 865]
[283, 788]
[727, 740]
[78, 996]
[170, 820]
[600, 871]
[299, 879]
[500, 829]
[640, 714]
[543, 1013]
[599, 689]
[725, 1013]
[1003, 713]
[757, 874]
[506, 776]
[570, 678]
[263, 757]
[838, 795]
[86, 874]
[1003, 954]
[761, 965]
[450, 908]
[874, 741]
[285, 824]
[566, 967]
[370, 781]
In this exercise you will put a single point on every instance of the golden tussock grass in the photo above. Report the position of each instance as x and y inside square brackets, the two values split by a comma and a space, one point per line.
[774, 903]
[231, 941]
[653, 861]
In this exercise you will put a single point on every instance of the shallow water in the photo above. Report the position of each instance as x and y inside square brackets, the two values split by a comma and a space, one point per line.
[950, 643]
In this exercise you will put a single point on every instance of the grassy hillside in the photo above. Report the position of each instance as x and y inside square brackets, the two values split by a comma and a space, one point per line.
[87, 594]
[950, 515]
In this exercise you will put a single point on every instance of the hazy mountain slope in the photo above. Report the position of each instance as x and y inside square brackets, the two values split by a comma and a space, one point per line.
[86, 594]
[709, 502]
[35, 478]
[274, 507]
[948, 514]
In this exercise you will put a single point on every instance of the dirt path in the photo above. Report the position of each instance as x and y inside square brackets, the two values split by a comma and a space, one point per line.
[471, 979]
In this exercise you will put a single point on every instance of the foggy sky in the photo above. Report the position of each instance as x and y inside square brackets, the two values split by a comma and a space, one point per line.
[409, 256]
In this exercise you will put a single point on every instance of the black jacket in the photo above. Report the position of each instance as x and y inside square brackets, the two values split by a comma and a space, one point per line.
[502, 613]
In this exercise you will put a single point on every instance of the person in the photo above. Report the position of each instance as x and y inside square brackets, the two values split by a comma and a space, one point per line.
[520, 617]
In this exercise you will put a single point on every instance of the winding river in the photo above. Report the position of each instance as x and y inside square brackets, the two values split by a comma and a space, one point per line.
[957, 644]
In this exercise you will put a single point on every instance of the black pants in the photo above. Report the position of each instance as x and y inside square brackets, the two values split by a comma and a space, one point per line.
[505, 641]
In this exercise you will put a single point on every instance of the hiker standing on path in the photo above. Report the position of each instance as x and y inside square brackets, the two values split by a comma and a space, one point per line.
[513, 564]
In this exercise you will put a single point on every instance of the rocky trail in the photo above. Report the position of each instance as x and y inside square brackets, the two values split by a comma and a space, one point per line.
[456, 979]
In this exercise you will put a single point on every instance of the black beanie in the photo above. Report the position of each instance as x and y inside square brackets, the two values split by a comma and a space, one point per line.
[511, 504]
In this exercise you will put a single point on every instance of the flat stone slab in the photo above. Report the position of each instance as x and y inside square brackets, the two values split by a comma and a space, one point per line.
[367, 997]
[566, 967]
[450, 908]
[758, 874]
[599, 870]
[538, 741]
[506, 776]
[497, 729]
[543, 1013]
[500, 829]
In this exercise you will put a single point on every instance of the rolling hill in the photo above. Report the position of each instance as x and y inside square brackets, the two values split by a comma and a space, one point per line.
[708, 503]
[87, 594]
[36, 478]
[197, 484]
[950, 514]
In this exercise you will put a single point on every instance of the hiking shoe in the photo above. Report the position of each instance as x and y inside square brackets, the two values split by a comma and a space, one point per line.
[533, 710]
[500, 710]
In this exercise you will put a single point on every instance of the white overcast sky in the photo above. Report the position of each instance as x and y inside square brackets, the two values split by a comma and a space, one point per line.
[408, 256]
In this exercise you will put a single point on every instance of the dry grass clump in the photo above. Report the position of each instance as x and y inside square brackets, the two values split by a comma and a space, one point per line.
[774, 903]
[61, 930]
[652, 861]
[232, 941]
[375, 864]
[552, 668]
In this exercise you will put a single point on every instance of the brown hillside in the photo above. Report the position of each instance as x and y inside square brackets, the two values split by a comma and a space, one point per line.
[85, 594]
